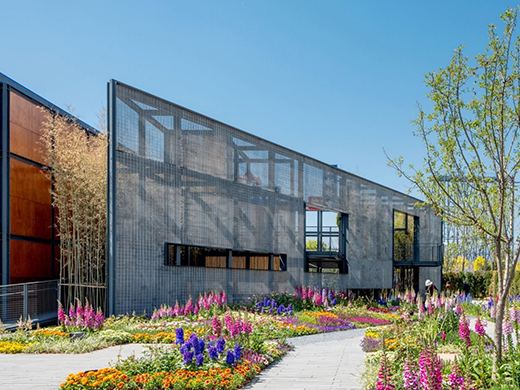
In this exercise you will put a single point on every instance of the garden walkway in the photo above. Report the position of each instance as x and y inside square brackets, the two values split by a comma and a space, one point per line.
[325, 361]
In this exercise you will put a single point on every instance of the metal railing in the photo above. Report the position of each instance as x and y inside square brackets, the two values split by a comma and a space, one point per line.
[37, 301]
[418, 253]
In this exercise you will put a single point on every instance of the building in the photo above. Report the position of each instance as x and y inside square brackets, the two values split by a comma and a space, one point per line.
[195, 205]
[29, 243]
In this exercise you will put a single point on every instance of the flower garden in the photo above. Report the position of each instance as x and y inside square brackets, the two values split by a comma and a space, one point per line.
[208, 344]
[432, 346]
[202, 344]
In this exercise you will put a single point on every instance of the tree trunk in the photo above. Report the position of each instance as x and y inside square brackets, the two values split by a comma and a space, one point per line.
[499, 317]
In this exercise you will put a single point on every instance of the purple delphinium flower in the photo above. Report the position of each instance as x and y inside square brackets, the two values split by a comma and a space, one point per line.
[187, 357]
[221, 345]
[199, 359]
[187, 345]
[237, 352]
[212, 351]
[179, 336]
[230, 358]
[198, 347]
[512, 314]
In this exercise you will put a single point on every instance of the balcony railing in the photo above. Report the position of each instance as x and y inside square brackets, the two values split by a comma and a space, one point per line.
[38, 300]
[418, 254]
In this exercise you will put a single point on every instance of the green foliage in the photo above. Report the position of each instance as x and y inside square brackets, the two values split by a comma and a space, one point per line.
[479, 282]
[312, 245]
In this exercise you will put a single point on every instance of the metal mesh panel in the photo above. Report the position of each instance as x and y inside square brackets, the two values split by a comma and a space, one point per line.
[186, 179]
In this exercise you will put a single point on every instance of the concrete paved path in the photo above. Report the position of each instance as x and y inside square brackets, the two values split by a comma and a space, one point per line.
[318, 362]
[48, 371]
[324, 361]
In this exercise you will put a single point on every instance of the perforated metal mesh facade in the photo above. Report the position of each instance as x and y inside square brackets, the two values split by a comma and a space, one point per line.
[184, 178]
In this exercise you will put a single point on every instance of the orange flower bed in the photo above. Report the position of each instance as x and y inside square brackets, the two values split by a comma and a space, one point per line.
[213, 378]
[161, 337]
[321, 314]
[49, 332]
[299, 328]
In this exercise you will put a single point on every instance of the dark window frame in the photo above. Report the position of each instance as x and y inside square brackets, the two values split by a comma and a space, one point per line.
[181, 255]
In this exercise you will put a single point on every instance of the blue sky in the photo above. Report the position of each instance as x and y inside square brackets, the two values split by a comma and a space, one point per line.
[337, 80]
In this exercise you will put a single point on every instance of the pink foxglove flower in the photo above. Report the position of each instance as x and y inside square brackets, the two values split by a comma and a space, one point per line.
[217, 326]
[430, 370]
[411, 376]
[456, 379]
[464, 332]
[479, 327]
[385, 375]
[507, 327]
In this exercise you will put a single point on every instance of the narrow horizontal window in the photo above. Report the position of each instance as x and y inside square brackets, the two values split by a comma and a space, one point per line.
[198, 256]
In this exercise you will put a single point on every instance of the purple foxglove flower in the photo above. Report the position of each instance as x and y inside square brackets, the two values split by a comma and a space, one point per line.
[199, 359]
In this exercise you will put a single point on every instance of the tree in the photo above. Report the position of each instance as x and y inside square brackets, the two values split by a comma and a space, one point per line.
[471, 136]
[312, 245]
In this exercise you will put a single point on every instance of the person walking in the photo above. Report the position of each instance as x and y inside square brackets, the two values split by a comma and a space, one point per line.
[430, 287]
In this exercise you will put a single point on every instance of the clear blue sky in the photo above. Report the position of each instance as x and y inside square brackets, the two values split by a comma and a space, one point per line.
[337, 80]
